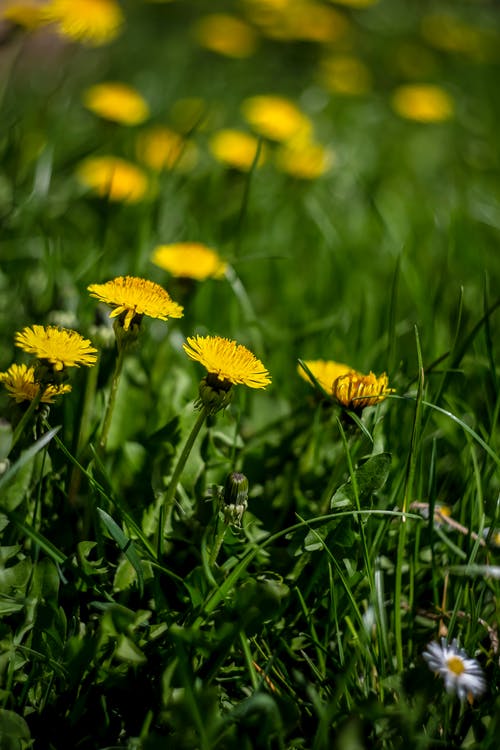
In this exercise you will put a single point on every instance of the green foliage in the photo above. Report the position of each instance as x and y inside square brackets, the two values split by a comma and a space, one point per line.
[135, 610]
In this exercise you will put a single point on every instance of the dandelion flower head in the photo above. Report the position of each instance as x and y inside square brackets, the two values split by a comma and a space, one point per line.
[325, 371]
[60, 347]
[93, 22]
[423, 103]
[161, 148]
[461, 674]
[231, 363]
[131, 297]
[19, 380]
[189, 260]
[116, 101]
[26, 14]
[353, 390]
[236, 149]
[345, 74]
[304, 159]
[114, 178]
[276, 117]
[226, 35]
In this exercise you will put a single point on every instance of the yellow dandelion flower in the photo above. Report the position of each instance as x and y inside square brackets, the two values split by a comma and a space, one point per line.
[304, 159]
[236, 149]
[423, 103]
[355, 391]
[60, 347]
[161, 148]
[309, 22]
[325, 371]
[229, 362]
[92, 22]
[189, 260]
[26, 14]
[114, 178]
[19, 380]
[132, 297]
[226, 35]
[276, 117]
[116, 101]
[345, 74]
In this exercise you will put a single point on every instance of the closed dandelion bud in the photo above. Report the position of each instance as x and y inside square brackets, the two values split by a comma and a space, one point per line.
[215, 394]
[235, 497]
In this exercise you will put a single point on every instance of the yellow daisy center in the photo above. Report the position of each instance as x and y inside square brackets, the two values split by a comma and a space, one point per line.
[456, 665]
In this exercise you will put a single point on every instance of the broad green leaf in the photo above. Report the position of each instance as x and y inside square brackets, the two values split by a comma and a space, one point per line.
[125, 544]
[370, 476]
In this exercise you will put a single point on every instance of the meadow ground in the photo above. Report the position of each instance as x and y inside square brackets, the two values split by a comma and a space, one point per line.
[249, 455]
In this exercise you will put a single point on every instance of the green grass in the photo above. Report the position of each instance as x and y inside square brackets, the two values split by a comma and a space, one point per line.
[117, 627]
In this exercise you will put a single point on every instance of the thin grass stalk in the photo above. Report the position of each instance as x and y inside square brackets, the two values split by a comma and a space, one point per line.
[112, 398]
[27, 416]
[410, 474]
[169, 498]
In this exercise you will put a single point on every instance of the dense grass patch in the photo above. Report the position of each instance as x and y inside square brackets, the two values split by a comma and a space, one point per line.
[205, 544]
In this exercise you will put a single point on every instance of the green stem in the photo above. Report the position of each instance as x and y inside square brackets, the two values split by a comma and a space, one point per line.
[169, 499]
[219, 538]
[83, 434]
[112, 398]
[27, 416]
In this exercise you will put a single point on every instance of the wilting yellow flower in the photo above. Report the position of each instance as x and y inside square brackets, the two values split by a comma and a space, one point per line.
[93, 22]
[19, 380]
[160, 148]
[304, 159]
[60, 347]
[114, 178]
[275, 117]
[189, 260]
[132, 298]
[423, 103]
[345, 74]
[27, 14]
[325, 371]
[229, 362]
[236, 149]
[226, 35]
[116, 101]
[355, 391]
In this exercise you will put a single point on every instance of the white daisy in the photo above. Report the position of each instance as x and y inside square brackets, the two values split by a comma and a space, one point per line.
[461, 674]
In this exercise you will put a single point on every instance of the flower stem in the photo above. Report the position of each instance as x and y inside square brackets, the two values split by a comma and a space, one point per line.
[27, 416]
[112, 398]
[219, 538]
[168, 500]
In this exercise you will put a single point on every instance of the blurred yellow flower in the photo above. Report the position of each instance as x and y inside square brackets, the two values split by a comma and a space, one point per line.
[226, 35]
[304, 159]
[423, 103]
[356, 3]
[116, 101]
[325, 372]
[60, 347]
[19, 380]
[132, 297]
[354, 391]
[27, 14]
[345, 74]
[448, 32]
[310, 22]
[161, 148]
[189, 113]
[114, 178]
[236, 149]
[92, 22]
[229, 362]
[189, 260]
[276, 117]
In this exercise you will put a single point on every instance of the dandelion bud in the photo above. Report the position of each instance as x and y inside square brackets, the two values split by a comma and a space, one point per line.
[235, 497]
[214, 394]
